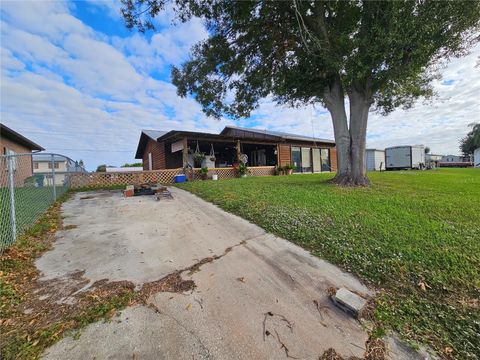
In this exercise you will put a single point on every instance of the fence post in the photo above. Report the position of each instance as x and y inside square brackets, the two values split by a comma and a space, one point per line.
[53, 179]
[11, 189]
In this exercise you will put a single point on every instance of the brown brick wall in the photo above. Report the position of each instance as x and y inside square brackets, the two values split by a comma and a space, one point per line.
[23, 164]
[158, 155]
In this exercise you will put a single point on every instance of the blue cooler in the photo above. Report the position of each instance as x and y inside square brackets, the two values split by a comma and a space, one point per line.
[180, 178]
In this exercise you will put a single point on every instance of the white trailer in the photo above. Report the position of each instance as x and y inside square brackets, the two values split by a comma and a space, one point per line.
[375, 159]
[405, 157]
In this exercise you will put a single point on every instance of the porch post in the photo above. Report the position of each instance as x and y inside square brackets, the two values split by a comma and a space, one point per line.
[238, 150]
[185, 152]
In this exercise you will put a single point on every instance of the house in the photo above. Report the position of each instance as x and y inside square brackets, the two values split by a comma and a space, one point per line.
[45, 165]
[455, 161]
[432, 161]
[476, 157]
[452, 158]
[12, 143]
[176, 149]
[375, 159]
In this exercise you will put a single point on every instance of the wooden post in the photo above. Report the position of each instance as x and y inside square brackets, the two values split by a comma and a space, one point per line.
[238, 150]
[185, 152]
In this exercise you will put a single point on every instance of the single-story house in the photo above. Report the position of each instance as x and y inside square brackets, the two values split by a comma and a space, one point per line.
[174, 149]
[456, 161]
[11, 143]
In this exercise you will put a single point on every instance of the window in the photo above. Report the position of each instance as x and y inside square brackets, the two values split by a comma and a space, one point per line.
[297, 159]
[57, 164]
[306, 159]
[325, 155]
[35, 165]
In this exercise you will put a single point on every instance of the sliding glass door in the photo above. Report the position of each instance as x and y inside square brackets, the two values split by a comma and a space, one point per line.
[297, 159]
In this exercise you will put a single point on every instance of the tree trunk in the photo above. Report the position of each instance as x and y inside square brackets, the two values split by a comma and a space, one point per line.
[350, 140]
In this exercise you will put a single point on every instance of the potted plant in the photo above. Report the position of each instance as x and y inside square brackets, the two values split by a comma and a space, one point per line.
[242, 170]
[288, 169]
[204, 173]
[279, 170]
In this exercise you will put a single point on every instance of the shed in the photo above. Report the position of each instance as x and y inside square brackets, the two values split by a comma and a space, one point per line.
[375, 159]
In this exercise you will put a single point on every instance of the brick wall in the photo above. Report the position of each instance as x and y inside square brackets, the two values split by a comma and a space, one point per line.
[158, 155]
[23, 164]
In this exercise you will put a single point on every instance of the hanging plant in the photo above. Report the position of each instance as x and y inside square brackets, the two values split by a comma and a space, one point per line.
[212, 154]
[198, 156]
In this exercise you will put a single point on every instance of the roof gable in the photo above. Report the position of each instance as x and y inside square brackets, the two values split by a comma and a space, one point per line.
[8, 133]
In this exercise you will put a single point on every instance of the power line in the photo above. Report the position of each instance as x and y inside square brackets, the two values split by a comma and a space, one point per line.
[93, 150]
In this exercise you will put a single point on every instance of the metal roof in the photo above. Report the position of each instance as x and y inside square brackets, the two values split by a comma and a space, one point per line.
[280, 134]
[48, 157]
[154, 134]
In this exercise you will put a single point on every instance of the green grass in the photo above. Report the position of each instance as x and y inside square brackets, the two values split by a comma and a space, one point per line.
[30, 203]
[409, 228]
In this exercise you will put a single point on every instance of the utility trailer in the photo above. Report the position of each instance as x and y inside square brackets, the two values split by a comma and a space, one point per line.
[375, 159]
[405, 157]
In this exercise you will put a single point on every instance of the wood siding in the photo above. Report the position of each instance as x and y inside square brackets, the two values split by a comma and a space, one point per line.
[158, 155]
[284, 154]
[333, 158]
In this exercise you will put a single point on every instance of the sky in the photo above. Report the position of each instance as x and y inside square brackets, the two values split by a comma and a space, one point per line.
[77, 82]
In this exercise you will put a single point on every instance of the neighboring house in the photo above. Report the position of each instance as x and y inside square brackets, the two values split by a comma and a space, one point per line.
[173, 149]
[432, 161]
[452, 158]
[476, 157]
[375, 159]
[12, 143]
[44, 165]
[456, 161]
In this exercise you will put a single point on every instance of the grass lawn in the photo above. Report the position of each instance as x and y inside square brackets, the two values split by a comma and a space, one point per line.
[30, 203]
[415, 236]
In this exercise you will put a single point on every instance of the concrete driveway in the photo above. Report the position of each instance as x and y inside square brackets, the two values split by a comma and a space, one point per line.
[261, 297]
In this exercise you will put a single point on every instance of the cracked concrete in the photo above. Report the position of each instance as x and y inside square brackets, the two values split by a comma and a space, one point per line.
[251, 274]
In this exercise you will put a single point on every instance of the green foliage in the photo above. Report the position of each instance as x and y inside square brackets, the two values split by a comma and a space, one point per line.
[101, 168]
[204, 171]
[242, 169]
[409, 228]
[472, 141]
[427, 150]
[132, 165]
[294, 50]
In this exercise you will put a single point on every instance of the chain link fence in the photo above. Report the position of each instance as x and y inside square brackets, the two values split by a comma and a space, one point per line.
[29, 184]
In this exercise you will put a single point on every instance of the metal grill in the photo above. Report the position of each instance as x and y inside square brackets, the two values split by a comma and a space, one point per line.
[29, 184]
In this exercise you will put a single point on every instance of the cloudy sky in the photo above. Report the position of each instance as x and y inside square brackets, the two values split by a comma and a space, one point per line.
[76, 81]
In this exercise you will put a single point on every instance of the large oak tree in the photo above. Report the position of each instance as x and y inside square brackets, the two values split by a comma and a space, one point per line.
[379, 55]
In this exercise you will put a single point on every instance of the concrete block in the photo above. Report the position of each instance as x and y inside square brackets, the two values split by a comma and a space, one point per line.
[349, 301]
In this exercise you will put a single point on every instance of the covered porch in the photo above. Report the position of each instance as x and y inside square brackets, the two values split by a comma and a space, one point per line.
[218, 151]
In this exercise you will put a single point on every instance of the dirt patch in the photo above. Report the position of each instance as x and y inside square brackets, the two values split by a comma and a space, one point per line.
[87, 197]
[375, 350]
[69, 227]
[170, 283]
